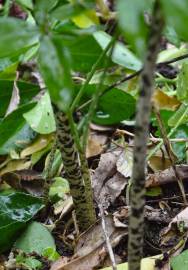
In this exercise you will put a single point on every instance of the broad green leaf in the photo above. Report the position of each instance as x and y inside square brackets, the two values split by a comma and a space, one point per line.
[41, 117]
[171, 53]
[182, 83]
[15, 35]
[15, 210]
[54, 63]
[121, 55]
[35, 238]
[154, 191]
[26, 91]
[180, 261]
[84, 51]
[114, 106]
[66, 11]
[29, 263]
[15, 133]
[176, 16]
[177, 115]
[132, 23]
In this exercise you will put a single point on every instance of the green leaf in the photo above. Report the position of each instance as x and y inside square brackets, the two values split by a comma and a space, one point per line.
[182, 83]
[26, 91]
[66, 11]
[15, 133]
[153, 191]
[15, 35]
[113, 107]
[172, 36]
[55, 68]
[177, 115]
[180, 261]
[176, 16]
[9, 73]
[84, 51]
[41, 117]
[59, 188]
[180, 148]
[51, 254]
[15, 210]
[35, 238]
[121, 55]
[26, 3]
[132, 23]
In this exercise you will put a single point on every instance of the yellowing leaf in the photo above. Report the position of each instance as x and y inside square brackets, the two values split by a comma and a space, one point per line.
[164, 102]
[146, 263]
[41, 142]
[15, 165]
[86, 19]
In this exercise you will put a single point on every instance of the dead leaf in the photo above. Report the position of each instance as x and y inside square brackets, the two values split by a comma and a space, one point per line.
[90, 250]
[125, 162]
[164, 102]
[15, 98]
[95, 144]
[107, 182]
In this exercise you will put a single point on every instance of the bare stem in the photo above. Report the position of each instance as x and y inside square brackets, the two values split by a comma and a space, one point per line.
[137, 195]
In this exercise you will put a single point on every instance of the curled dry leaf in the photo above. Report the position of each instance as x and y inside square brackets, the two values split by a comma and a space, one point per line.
[95, 144]
[125, 162]
[107, 182]
[90, 250]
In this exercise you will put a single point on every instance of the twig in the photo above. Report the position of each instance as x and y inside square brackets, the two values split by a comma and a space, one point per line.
[169, 152]
[153, 139]
[107, 239]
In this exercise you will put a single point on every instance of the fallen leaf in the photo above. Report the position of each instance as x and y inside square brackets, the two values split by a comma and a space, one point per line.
[15, 165]
[125, 162]
[95, 145]
[40, 143]
[107, 182]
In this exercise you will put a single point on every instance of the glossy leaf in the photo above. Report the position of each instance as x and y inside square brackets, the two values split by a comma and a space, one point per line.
[15, 210]
[26, 90]
[55, 68]
[35, 238]
[132, 23]
[41, 117]
[113, 107]
[26, 3]
[15, 133]
[121, 55]
[84, 51]
[15, 35]
[176, 16]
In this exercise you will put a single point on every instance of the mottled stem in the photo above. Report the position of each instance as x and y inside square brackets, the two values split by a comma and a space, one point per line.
[137, 195]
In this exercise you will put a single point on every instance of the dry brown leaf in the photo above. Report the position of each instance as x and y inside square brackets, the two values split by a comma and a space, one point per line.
[164, 102]
[107, 182]
[90, 250]
[95, 144]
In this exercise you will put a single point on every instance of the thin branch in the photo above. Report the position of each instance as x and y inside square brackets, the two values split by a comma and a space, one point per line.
[107, 239]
